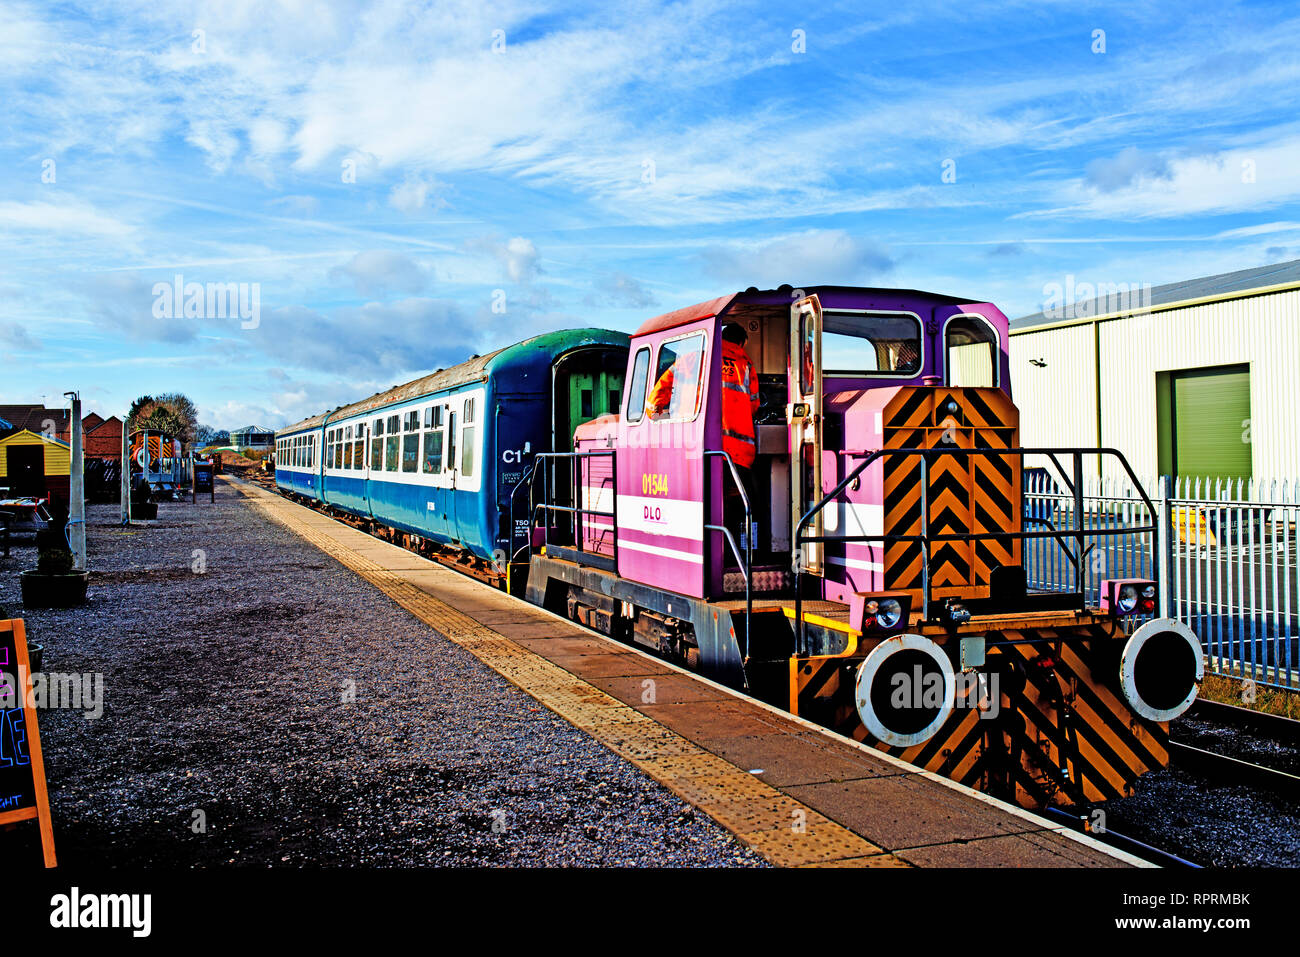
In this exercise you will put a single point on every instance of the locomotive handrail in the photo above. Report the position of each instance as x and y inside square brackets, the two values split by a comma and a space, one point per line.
[1078, 532]
[748, 561]
[546, 505]
[524, 480]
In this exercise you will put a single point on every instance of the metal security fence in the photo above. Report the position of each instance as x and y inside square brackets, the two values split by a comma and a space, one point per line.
[1226, 562]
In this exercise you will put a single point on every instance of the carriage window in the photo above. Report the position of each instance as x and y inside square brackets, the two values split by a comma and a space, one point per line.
[433, 452]
[469, 411]
[636, 393]
[412, 421]
[411, 452]
[857, 344]
[451, 440]
[359, 450]
[467, 451]
[377, 454]
[676, 394]
[971, 347]
[433, 417]
[390, 456]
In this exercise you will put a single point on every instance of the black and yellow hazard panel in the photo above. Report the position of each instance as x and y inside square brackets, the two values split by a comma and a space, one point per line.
[1046, 725]
[967, 493]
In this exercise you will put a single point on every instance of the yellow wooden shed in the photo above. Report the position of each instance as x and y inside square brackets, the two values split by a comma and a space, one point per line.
[34, 464]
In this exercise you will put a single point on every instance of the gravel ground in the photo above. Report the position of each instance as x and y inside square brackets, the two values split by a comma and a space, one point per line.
[1209, 823]
[224, 705]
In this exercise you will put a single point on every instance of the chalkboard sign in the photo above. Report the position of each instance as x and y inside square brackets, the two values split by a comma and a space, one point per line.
[22, 772]
[204, 470]
[203, 477]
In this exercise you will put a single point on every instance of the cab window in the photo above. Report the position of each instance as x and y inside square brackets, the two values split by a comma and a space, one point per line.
[678, 375]
[636, 393]
[870, 344]
[971, 350]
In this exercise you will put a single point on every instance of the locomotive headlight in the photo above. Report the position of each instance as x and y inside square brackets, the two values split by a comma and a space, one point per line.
[884, 612]
[888, 613]
[1127, 599]
[1148, 602]
[1128, 596]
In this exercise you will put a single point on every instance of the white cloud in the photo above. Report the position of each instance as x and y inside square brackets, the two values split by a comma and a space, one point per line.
[1233, 180]
[61, 216]
[379, 271]
[517, 256]
[412, 194]
[815, 257]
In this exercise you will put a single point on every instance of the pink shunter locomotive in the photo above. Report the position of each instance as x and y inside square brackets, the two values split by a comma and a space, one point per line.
[867, 570]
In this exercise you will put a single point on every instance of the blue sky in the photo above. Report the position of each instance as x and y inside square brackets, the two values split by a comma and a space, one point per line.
[586, 165]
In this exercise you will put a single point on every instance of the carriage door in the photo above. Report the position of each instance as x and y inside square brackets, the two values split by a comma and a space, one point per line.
[364, 432]
[804, 413]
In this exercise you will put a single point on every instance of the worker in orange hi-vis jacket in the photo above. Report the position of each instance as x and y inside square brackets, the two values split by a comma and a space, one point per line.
[739, 403]
[739, 398]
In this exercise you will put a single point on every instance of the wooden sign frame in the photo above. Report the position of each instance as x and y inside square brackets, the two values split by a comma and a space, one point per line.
[41, 810]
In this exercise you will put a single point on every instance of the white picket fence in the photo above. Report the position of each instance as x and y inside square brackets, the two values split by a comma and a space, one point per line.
[1226, 562]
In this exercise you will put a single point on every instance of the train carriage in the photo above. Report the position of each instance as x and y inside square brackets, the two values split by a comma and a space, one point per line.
[434, 462]
[873, 581]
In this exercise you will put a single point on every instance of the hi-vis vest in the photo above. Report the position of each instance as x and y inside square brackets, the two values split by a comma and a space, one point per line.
[739, 403]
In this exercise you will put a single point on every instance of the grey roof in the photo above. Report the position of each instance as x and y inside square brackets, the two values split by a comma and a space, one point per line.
[1243, 280]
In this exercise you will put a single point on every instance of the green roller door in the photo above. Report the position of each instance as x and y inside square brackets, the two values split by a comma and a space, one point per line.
[1211, 422]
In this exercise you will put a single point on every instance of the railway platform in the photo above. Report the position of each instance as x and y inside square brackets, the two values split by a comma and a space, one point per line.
[795, 793]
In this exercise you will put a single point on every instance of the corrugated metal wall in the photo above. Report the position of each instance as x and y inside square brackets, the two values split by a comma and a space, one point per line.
[1057, 404]
[1057, 401]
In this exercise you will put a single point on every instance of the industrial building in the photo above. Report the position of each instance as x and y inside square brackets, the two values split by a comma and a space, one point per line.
[1194, 378]
[252, 437]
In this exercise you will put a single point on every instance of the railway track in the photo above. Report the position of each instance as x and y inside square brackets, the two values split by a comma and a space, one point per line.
[1229, 769]
[1122, 842]
[1275, 726]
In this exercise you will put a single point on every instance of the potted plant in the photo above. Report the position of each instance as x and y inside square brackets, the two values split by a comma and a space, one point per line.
[53, 583]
